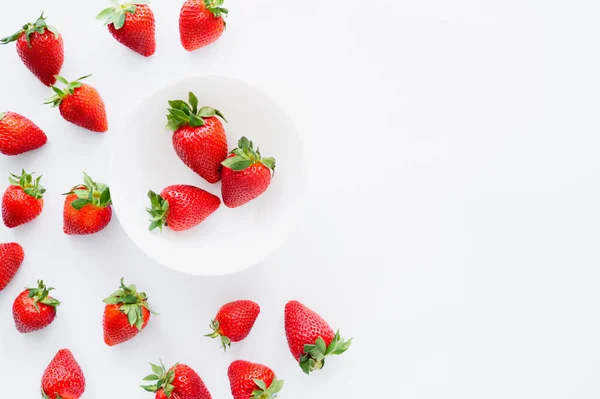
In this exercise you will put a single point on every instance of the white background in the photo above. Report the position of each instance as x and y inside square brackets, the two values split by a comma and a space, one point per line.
[452, 149]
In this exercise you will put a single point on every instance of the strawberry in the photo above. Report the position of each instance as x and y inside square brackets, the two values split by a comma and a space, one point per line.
[246, 174]
[18, 134]
[63, 378]
[201, 23]
[253, 381]
[181, 207]
[41, 49]
[11, 258]
[132, 24]
[199, 138]
[34, 309]
[80, 104]
[179, 382]
[234, 321]
[310, 338]
[126, 314]
[22, 201]
[87, 208]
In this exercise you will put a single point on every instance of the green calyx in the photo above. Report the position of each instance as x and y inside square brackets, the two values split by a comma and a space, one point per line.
[267, 393]
[40, 295]
[2, 115]
[131, 303]
[44, 396]
[164, 379]
[314, 355]
[215, 326]
[158, 210]
[90, 193]
[38, 26]
[28, 184]
[67, 91]
[182, 113]
[214, 6]
[118, 12]
[246, 156]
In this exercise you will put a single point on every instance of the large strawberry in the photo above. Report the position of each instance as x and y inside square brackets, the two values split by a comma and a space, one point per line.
[179, 382]
[80, 104]
[22, 201]
[63, 378]
[34, 308]
[201, 23]
[181, 207]
[252, 381]
[246, 174]
[132, 24]
[234, 321]
[199, 138]
[41, 49]
[11, 258]
[18, 134]
[310, 338]
[87, 208]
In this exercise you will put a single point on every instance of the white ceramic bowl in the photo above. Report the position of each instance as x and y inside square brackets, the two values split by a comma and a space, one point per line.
[230, 240]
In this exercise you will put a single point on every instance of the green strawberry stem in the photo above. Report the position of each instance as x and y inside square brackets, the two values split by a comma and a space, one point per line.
[246, 156]
[267, 393]
[38, 26]
[40, 295]
[117, 14]
[314, 355]
[131, 303]
[164, 379]
[214, 6]
[91, 192]
[183, 114]
[26, 182]
[158, 210]
[226, 342]
[67, 91]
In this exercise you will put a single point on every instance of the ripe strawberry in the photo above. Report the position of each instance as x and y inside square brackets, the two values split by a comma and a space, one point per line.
[41, 49]
[310, 338]
[234, 321]
[87, 208]
[126, 314]
[132, 24]
[201, 23]
[11, 258]
[253, 381]
[80, 104]
[22, 201]
[34, 309]
[199, 138]
[181, 207]
[246, 174]
[63, 378]
[18, 134]
[179, 382]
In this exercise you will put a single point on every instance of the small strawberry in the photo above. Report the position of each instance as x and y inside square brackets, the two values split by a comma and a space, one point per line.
[181, 207]
[246, 174]
[179, 382]
[310, 338]
[22, 201]
[41, 49]
[18, 134]
[132, 24]
[234, 321]
[87, 208]
[63, 378]
[34, 309]
[199, 138]
[80, 104]
[11, 258]
[253, 381]
[201, 23]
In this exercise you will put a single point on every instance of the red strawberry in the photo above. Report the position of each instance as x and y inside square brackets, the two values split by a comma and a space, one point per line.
[201, 23]
[199, 137]
[22, 201]
[132, 24]
[80, 104]
[253, 381]
[41, 49]
[246, 174]
[234, 321]
[18, 134]
[310, 338]
[63, 378]
[87, 208]
[181, 207]
[34, 309]
[11, 258]
[180, 382]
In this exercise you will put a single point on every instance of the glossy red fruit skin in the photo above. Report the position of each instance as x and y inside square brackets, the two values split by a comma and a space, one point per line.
[236, 319]
[88, 220]
[188, 385]
[85, 108]
[19, 207]
[303, 327]
[18, 135]
[138, 33]
[198, 27]
[27, 317]
[240, 187]
[242, 374]
[45, 57]
[11, 258]
[188, 206]
[63, 377]
[116, 326]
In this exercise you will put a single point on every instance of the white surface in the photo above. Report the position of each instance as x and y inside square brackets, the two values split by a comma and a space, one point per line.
[453, 213]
